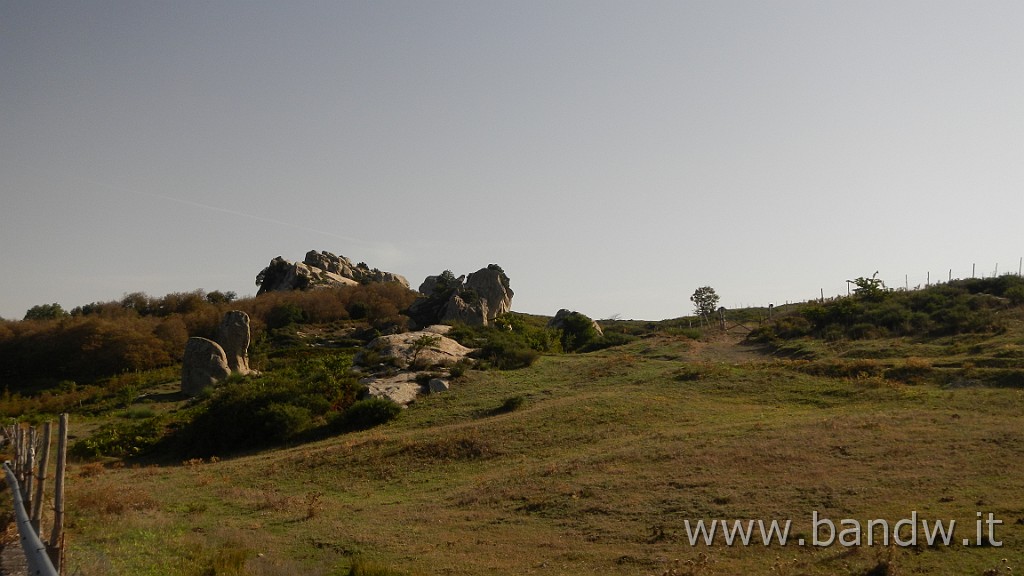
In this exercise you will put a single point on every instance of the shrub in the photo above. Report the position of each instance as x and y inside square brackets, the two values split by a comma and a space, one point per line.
[578, 331]
[1015, 295]
[607, 341]
[511, 404]
[497, 348]
[120, 440]
[506, 354]
[284, 315]
[366, 414]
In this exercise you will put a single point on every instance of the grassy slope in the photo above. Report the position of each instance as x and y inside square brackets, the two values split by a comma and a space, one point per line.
[594, 474]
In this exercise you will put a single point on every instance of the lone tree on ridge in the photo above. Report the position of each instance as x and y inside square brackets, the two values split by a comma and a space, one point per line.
[705, 301]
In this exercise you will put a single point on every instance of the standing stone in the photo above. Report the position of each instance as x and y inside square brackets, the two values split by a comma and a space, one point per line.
[492, 286]
[204, 365]
[233, 335]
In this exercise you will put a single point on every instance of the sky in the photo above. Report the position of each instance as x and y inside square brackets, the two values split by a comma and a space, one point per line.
[611, 156]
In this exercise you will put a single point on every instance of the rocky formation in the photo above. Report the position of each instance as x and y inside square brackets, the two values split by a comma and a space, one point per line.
[422, 349]
[476, 300]
[426, 349]
[233, 336]
[204, 364]
[319, 269]
[401, 388]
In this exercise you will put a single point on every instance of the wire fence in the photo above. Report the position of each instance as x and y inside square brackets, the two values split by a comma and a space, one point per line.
[26, 478]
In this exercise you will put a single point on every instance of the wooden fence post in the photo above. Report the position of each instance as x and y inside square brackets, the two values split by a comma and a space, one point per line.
[44, 461]
[55, 548]
[30, 464]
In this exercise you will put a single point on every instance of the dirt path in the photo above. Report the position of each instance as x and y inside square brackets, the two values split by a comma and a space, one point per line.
[730, 348]
[12, 559]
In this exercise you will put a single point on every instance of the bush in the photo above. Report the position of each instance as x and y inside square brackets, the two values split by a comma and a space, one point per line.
[281, 406]
[497, 348]
[506, 354]
[607, 341]
[120, 440]
[284, 315]
[511, 404]
[366, 414]
[578, 331]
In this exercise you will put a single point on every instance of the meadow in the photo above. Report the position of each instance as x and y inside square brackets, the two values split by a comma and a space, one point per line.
[595, 463]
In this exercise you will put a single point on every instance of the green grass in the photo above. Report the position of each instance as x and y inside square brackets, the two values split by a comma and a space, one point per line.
[606, 457]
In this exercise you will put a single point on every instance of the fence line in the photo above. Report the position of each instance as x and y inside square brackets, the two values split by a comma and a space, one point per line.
[27, 483]
[35, 551]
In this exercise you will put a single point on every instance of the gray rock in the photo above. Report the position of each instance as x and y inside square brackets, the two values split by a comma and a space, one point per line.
[233, 336]
[437, 385]
[418, 348]
[464, 308]
[476, 300]
[402, 388]
[492, 286]
[319, 269]
[204, 365]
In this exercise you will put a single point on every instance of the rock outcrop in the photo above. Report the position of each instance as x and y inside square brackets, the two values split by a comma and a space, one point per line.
[319, 269]
[475, 300]
[422, 349]
[204, 364]
[492, 286]
[233, 336]
[401, 388]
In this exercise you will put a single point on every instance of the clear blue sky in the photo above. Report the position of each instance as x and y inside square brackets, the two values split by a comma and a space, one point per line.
[611, 156]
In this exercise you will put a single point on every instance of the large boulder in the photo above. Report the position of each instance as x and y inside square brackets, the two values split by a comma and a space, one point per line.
[492, 286]
[475, 300]
[401, 389]
[424, 348]
[204, 364]
[319, 269]
[233, 336]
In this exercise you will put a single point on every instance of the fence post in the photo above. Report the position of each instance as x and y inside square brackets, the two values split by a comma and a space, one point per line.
[56, 545]
[30, 461]
[44, 461]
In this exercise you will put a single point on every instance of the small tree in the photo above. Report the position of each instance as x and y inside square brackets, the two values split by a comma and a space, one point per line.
[705, 301]
[870, 288]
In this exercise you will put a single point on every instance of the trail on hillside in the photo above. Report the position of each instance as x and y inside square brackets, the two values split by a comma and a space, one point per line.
[729, 348]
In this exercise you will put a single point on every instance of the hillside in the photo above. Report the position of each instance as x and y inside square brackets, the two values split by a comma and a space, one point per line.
[594, 462]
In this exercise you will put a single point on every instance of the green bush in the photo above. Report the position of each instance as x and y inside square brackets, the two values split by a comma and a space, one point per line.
[498, 348]
[121, 440]
[284, 315]
[511, 404]
[607, 341]
[366, 414]
[1016, 295]
[578, 331]
[283, 405]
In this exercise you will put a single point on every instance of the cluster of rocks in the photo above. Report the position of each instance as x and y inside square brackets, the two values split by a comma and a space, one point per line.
[207, 362]
[402, 360]
[320, 269]
[475, 300]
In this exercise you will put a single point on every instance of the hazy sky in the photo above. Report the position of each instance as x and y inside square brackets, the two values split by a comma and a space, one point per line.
[610, 156]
